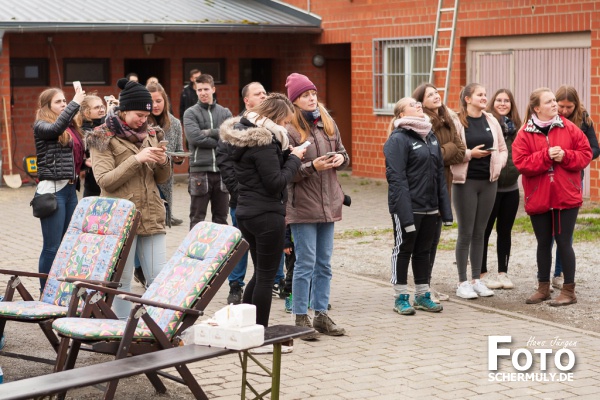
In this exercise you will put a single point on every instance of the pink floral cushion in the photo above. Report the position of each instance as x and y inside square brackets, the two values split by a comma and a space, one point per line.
[91, 246]
[31, 310]
[201, 255]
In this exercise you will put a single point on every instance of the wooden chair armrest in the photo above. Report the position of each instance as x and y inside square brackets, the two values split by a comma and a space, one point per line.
[22, 273]
[161, 305]
[81, 284]
[91, 281]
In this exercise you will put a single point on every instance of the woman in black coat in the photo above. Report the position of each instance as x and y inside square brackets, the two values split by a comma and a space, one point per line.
[263, 165]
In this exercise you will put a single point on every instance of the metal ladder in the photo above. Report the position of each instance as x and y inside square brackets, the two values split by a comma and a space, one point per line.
[441, 35]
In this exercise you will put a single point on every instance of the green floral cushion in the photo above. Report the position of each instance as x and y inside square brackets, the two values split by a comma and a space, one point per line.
[97, 329]
[31, 310]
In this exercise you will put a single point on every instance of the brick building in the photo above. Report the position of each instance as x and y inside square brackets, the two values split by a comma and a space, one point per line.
[374, 52]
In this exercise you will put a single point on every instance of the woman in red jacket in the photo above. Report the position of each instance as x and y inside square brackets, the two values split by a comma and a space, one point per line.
[550, 152]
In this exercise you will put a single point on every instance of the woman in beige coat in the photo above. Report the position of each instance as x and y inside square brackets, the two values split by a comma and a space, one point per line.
[128, 162]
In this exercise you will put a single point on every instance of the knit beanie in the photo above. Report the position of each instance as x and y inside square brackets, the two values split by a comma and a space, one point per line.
[297, 84]
[134, 96]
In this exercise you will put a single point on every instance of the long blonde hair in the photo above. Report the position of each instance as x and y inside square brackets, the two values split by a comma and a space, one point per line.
[45, 113]
[303, 126]
[163, 119]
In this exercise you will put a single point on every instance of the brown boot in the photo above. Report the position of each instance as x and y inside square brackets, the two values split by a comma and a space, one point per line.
[566, 296]
[541, 294]
[304, 320]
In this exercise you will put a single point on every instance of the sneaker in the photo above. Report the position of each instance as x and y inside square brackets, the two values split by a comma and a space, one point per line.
[176, 221]
[433, 297]
[304, 320]
[505, 281]
[235, 293]
[138, 276]
[278, 288]
[322, 323]
[268, 349]
[465, 290]
[425, 303]
[288, 304]
[481, 289]
[442, 296]
[490, 283]
[402, 305]
[557, 281]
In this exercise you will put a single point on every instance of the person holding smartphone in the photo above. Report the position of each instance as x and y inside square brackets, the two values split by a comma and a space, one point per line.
[474, 185]
[129, 163]
[314, 204]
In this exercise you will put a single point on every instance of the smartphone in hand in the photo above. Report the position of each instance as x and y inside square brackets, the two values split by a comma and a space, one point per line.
[163, 143]
[490, 149]
[76, 85]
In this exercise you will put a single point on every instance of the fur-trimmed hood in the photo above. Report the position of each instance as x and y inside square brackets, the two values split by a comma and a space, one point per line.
[238, 134]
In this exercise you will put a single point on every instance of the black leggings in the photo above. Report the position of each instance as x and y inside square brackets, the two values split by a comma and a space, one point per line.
[415, 245]
[562, 223]
[503, 214]
[265, 234]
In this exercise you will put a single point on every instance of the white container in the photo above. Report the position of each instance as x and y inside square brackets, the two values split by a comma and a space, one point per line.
[228, 337]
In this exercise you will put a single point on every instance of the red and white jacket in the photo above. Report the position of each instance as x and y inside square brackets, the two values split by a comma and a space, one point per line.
[549, 184]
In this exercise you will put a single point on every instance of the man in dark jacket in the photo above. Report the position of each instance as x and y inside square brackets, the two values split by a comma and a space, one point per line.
[188, 94]
[253, 94]
[202, 122]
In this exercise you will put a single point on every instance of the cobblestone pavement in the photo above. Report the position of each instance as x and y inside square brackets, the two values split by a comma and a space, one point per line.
[384, 355]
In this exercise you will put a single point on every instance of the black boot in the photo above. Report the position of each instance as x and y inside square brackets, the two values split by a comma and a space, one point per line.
[235, 293]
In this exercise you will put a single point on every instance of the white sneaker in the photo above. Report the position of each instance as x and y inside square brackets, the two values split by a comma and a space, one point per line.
[491, 283]
[268, 349]
[440, 296]
[482, 290]
[505, 281]
[433, 297]
[465, 290]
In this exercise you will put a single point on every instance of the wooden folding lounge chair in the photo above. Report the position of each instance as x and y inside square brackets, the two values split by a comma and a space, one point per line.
[94, 249]
[172, 303]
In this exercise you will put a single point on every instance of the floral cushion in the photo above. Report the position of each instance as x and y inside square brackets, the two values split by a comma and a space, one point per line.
[31, 310]
[91, 246]
[198, 259]
[96, 329]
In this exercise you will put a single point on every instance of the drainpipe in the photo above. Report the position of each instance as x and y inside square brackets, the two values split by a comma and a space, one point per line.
[307, 6]
[1, 36]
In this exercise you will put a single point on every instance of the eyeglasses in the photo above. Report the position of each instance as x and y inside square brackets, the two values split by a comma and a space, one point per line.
[507, 101]
[416, 104]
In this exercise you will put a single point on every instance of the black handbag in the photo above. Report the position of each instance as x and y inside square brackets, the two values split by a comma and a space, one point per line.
[44, 205]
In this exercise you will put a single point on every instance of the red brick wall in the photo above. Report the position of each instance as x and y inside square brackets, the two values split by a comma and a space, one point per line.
[360, 21]
[290, 53]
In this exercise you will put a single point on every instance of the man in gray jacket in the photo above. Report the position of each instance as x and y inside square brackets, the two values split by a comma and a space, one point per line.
[202, 122]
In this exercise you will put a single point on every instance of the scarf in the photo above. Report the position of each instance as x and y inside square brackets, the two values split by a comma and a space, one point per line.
[124, 131]
[78, 149]
[278, 131]
[540, 123]
[312, 116]
[416, 124]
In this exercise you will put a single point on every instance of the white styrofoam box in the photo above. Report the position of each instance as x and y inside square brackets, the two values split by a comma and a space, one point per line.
[238, 316]
[237, 338]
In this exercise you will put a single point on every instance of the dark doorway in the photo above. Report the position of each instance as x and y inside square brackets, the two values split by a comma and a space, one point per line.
[255, 70]
[339, 98]
[145, 68]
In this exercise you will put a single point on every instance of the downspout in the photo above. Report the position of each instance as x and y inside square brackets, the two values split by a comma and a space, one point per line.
[307, 6]
[1, 36]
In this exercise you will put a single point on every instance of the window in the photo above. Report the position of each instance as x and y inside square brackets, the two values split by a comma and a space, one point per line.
[399, 66]
[89, 71]
[211, 66]
[29, 72]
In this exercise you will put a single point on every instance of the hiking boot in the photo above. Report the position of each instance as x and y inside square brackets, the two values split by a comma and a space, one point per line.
[505, 281]
[424, 302]
[541, 294]
[566, 296]
[304, 320]
[558, 281]
[402, 305]
[288, 304]
[235, 293]
[138, 276]
[322, 323]
[176, 221]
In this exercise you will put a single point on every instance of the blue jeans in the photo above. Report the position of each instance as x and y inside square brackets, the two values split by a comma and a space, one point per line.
[313, 245]
[152, 253]
[239, 271]
[280, 275]
[558, 268]
[55, 226]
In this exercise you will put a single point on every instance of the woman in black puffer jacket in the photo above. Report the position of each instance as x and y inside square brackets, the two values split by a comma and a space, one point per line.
[263, 167]
[60, 154]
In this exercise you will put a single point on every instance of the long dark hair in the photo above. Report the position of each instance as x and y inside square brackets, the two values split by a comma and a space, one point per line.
[467, 91]
[513, 115]
[439, 117]
[579, 115]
